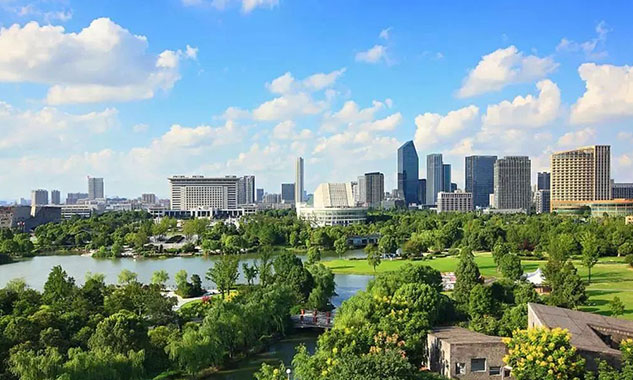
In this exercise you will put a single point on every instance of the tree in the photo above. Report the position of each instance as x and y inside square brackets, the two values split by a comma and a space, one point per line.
[387, 243]
[324, 286]
[194, 351]
[250, 272]
[568, 289]
[224, 273]
[590, 253]
[289, 270]
[314, 255]
[340, 246]
[116, 249]
[29, 365]
[499, 251]
[468, 276]
[510, 265]
[59, 287]
[373, 256]
[119, 333]
[616, 306]
[481, 301]
[539, 353]
[160, 277]
[265, 265]
[127, 276]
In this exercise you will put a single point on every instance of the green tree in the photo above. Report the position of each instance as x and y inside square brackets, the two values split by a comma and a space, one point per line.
[510, 265]
[59, 287]
[116, 249]
[481, 302]
[323, 289]
[119, 333]
[224, 273]
[340, 246]
[616, 306]
[590, 252]
[126, 276]
[265, 265]
[29, 365]
[160, 277]
[314, 255]
[250, 272]
[289, 270]
[194, 351]
[467, 274]
[373, 256]
[387, 243]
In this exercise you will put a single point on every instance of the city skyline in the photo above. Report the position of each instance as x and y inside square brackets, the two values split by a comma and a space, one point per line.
[343, 103]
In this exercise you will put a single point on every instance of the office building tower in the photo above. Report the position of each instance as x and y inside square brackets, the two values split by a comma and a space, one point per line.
[288, 192]
[453, 187]
[149, 199]
[188, 193]
[408, 172]
[259, 197]
[543, 181]
[72, 198]
[581, 175]
[299, 177]
[246, 190]
[356, 189]
[480, 179]
[95, 188]
[56, 197]
[272, 198]
[454, 202]
[542, 201]
[39, 197]
[422, 191]
[512, 177]
[434, 177]
[446, 178]
[371, 189]
[622, 190]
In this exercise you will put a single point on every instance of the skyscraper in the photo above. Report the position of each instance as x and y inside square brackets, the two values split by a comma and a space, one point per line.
[446, 178]
[543, 181]
[288, 192]
[480, 178]
[581, 175]
[246, 190]
[422, 191]
[434, 177]
[513, 183]
[260, 195]
[56, 197]
[39, 197]
[371, 189]
[408, 172]
[95, 188]
[299, 184]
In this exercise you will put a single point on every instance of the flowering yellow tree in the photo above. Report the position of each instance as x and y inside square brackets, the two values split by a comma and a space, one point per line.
[543, 354]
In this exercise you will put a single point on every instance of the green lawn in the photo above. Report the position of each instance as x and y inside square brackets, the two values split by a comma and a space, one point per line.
[610, 277]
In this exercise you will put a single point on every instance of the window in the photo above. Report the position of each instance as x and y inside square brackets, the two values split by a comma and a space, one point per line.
[477, 365]
[507, 372]
[460, 368]
[495, 371]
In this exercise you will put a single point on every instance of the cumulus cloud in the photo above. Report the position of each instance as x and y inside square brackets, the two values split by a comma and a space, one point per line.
[432, 128]
[103, 62]
[286, 131]
[528, 111]
[593, 48]
[577, 138]
[504, 67]
[288, 106]
[350, 114]
[247, 6]
[286, 83]
[375, 54]
[608, 94]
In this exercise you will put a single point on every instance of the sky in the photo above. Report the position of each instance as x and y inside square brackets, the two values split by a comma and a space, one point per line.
[136, 91]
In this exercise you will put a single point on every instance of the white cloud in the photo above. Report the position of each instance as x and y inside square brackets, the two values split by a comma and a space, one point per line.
[350, 114]
[528, 111]
[593, 48]
[287, 106]
[375, 54]
[140, 128]
[504, 67]
[431, 128]
[247, 6]
[385, 33]
[388, 123]
[286, 131]
[608, 94]
[103, 62]
[577, 138]
[287, 83]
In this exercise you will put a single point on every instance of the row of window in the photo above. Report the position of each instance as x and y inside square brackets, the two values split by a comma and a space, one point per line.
[479, 365]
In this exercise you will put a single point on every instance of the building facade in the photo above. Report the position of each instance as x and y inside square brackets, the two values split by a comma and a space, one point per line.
[371, 189]
[512, 178]
[543, 181]
[422, 191]
[581, 175]
[454, 202]
[542, 201]
[622, 190]
[259, 196]
[73, 198]
[288, 192]
[149, 199]
[408, 172]
[480, 179]
[95, 188]
[246, 190]
[434, 177]
[188, 193]
[334, 204]
[446, 178]
[299, 184]
[56, 197]
[39, 197]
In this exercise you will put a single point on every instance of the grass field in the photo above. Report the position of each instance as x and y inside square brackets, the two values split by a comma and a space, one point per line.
[610, 277]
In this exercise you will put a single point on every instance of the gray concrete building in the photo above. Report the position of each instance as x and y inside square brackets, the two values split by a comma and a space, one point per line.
[72, 198]
[39, 197]
[371, 189]
[434, 177]
[95, 188]
[446, 178]
[56, 197]
[543, 181]
[288, 192]
[512, 178]
[246, 190]
[299, 177]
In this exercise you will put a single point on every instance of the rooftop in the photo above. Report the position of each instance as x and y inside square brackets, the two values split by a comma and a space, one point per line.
[459, 335]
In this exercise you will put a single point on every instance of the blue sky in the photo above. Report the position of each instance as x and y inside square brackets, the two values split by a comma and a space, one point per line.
[137, 91]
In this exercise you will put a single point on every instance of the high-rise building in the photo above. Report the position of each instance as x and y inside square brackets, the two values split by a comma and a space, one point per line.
[480, 179]
[246, 190]
[581, 175]
[299, 177]
[512, 176]
[272, 198]
[187, 193]
[543, 181]
[434, 177]
[288, 192]
[422, 191]
[371, 189]
[95, 188]
[149, 199]
[446, 178]
[259, 195]
[72, 198]
[454, 202]
[542, 201]
[408, 172]
[56, 197]
[39, 197]
[622, 190]
[453, 187]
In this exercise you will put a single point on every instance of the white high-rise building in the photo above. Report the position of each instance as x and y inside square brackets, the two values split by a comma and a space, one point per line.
[246, 190]
[95, 188]
[188, 193]
[299, 184]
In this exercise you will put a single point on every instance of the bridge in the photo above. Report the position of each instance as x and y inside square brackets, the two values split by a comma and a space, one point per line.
[313, 320]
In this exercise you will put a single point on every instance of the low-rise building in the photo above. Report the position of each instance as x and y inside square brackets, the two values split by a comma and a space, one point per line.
[334, 205]
[27, 218]
[454, 202]
[458, 353]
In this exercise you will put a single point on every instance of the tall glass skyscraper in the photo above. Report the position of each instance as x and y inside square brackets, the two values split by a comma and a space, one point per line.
[480, 178]
[408, 172]
[434, 177]
[446, 178]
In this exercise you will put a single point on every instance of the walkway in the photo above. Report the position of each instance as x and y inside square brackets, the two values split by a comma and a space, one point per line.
[323, 320]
